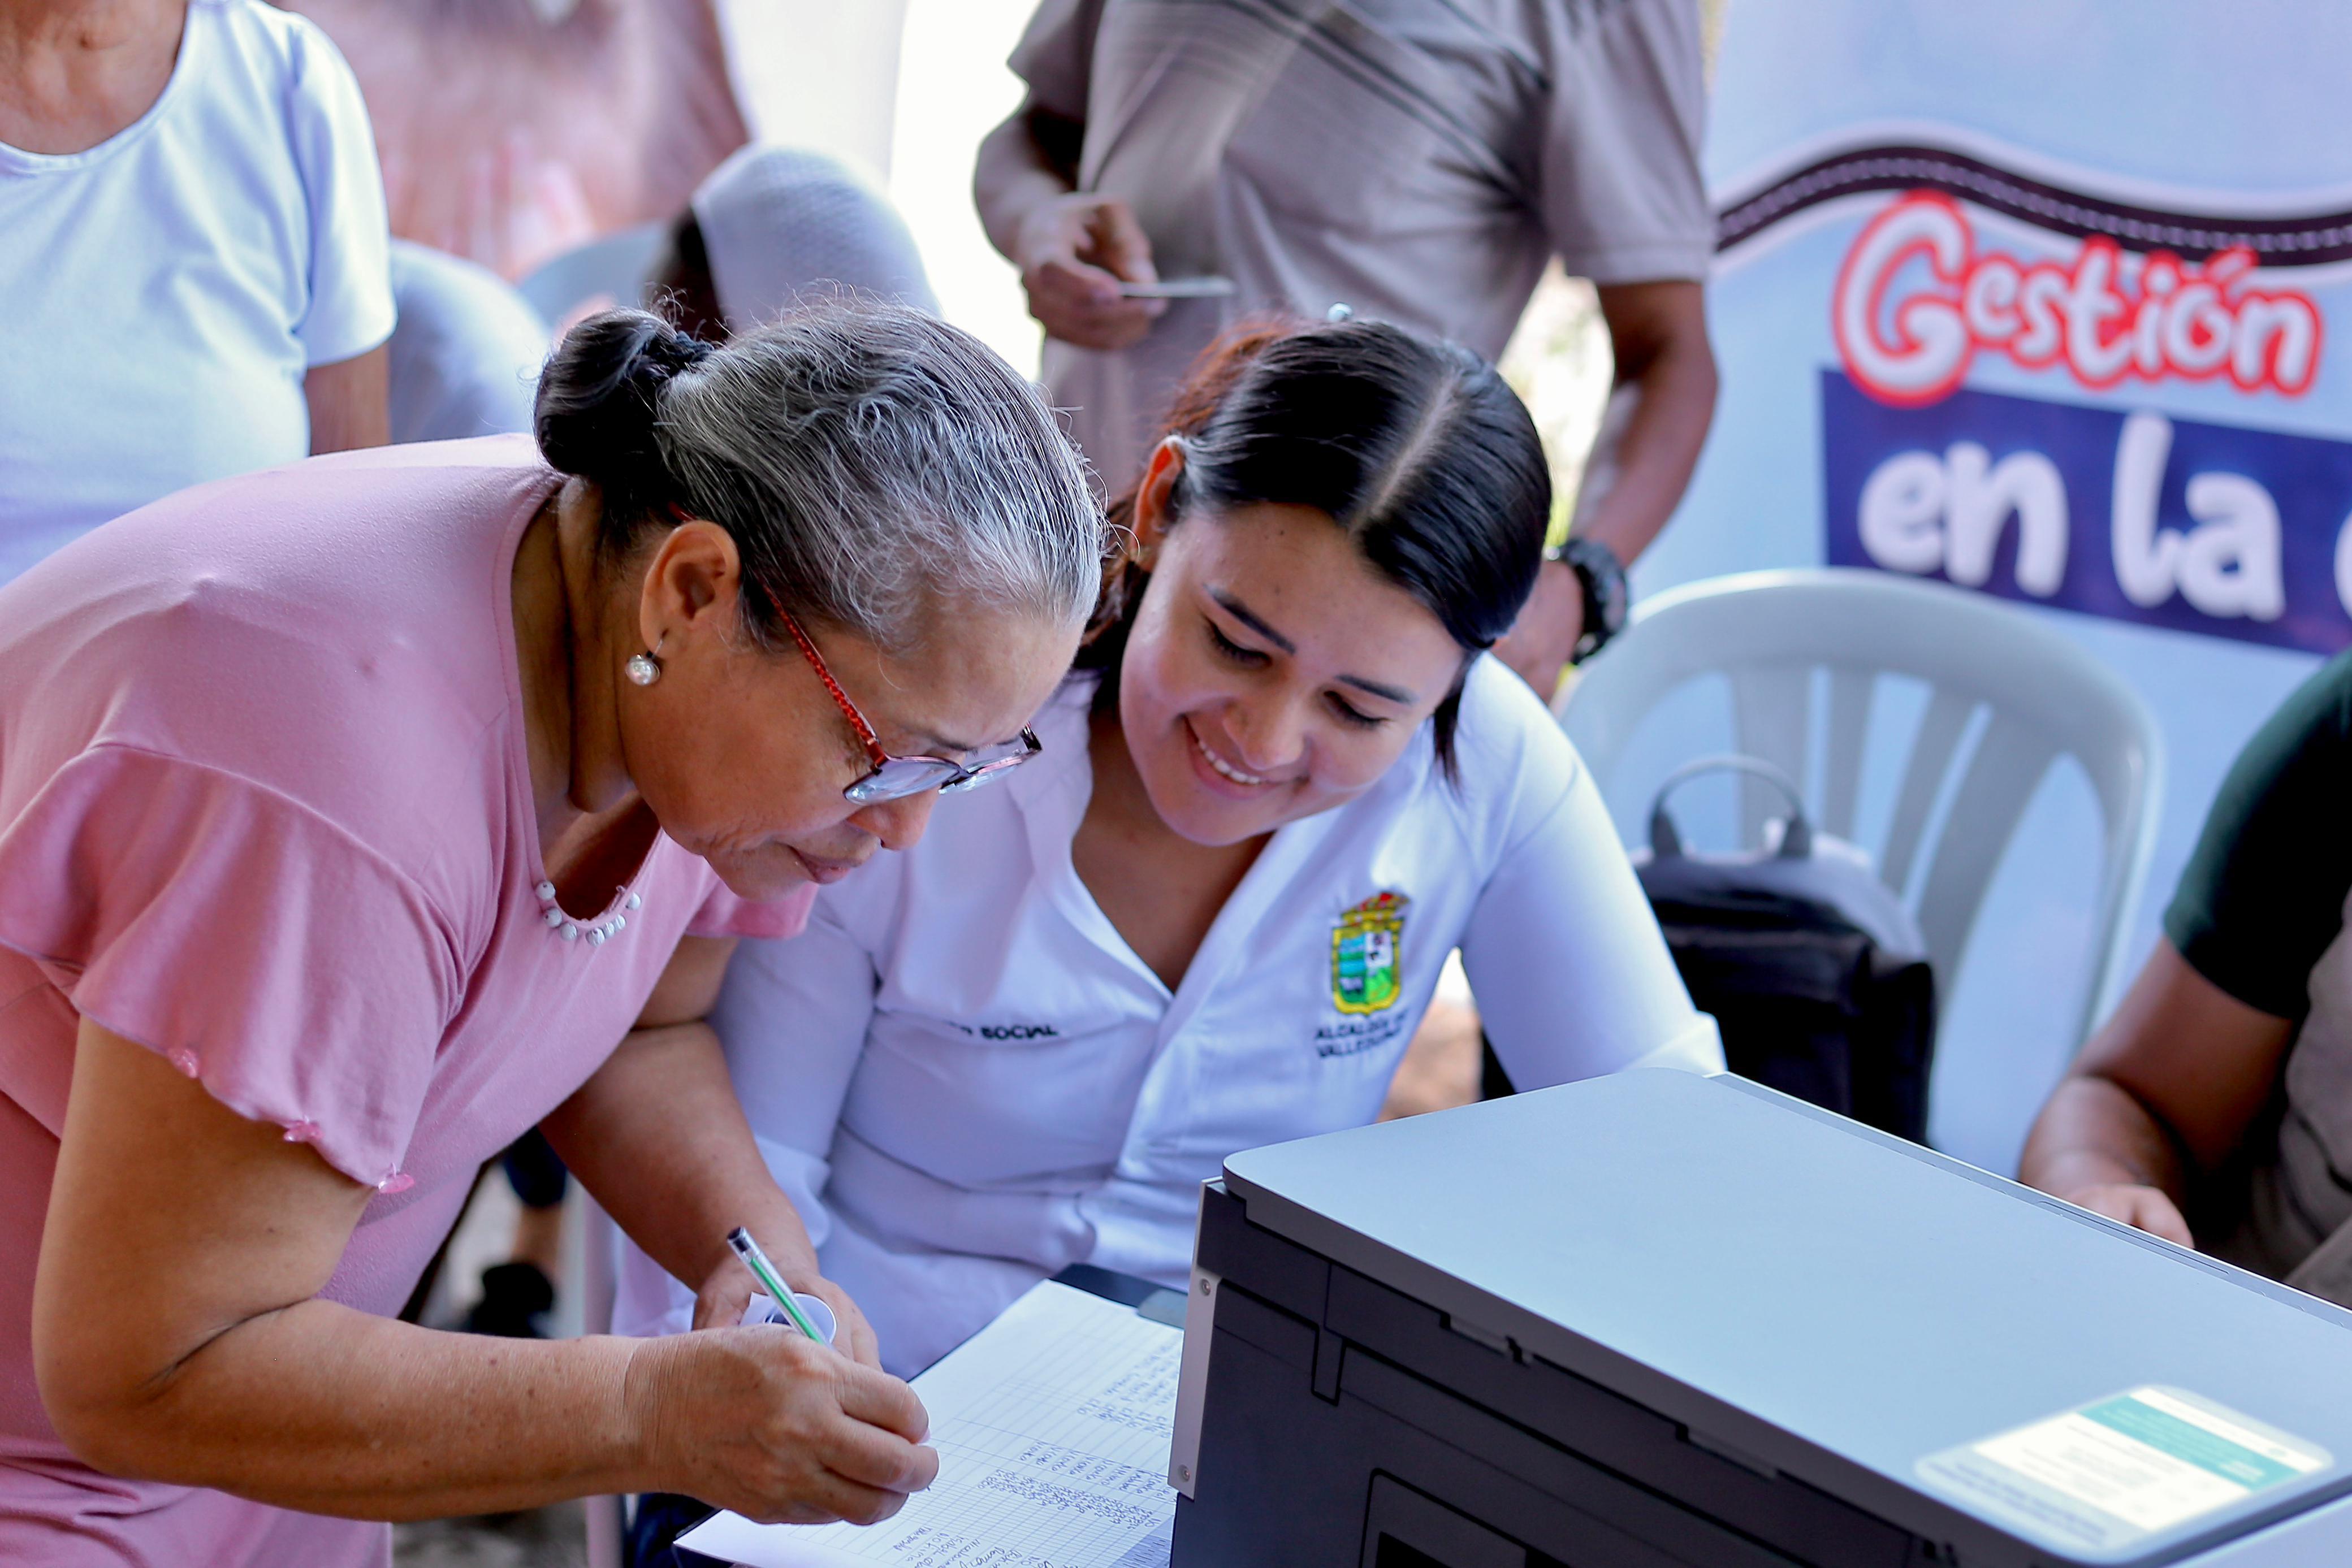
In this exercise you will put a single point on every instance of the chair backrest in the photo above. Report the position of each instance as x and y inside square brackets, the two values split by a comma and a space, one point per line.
[619, 265]
[2042, 697]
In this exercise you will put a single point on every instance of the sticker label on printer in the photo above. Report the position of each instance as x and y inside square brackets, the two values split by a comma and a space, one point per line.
[2114, 1471]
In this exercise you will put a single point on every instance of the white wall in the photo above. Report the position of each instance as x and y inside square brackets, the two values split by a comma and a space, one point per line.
[953, 88]
[817, 75]
[905, 88]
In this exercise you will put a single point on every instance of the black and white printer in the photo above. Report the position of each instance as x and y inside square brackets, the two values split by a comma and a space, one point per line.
[1657, 1320]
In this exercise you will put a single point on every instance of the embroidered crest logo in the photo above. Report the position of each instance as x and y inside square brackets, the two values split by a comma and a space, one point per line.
[1364, 963]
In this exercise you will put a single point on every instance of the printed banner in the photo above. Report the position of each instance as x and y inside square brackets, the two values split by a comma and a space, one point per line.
[2046, 299]
[2224, 531]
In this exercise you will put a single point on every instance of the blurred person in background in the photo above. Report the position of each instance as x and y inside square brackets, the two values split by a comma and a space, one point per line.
[192, 257]
[772, 227]
[1418, 160]
[2214, 1107]
[775, 227]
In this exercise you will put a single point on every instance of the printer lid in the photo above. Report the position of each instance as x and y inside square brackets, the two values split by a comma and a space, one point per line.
[1944, 1330]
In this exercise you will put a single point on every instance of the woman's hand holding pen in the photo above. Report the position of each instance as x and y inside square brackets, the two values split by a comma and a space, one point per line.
[776, 1427]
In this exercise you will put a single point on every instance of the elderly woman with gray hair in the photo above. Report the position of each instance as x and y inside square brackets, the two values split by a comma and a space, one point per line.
[351, 813]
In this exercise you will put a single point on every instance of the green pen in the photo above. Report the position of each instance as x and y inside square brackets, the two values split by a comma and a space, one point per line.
[765, 1272]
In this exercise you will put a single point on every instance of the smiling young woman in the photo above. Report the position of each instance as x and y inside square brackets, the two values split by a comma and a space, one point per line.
[1284, 783]
[1273, 666]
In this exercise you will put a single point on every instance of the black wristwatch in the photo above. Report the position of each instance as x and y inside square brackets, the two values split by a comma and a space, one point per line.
[1603, 576]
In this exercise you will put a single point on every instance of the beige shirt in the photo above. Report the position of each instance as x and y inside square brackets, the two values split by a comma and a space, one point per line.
[1418, 160]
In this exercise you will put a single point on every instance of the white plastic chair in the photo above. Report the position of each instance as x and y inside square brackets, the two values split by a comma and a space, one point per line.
[1767, 632]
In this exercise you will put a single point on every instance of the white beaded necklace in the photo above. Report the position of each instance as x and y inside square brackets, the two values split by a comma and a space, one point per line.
[571, 930]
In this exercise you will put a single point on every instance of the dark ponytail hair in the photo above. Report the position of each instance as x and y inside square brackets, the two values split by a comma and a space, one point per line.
[873, 464]
[1417, 448]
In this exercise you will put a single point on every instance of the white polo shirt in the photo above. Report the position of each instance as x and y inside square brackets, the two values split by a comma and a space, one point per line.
[966, 1079]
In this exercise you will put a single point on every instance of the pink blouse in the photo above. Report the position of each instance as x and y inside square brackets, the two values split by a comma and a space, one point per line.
[265, 808]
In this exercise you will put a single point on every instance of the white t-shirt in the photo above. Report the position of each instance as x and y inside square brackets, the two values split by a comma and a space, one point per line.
[166, 289]
[967, 1080]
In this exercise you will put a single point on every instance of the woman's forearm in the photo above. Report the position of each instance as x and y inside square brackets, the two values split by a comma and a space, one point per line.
[331, 1410]
[658, 1138]
[1652, 434]
[2094, 1133]
[178, 1335]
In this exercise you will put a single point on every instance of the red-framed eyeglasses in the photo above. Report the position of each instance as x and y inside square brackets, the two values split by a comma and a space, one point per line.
[896, 777]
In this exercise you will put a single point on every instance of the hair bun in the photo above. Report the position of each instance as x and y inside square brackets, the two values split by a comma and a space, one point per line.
[598, 406]
[670, 352]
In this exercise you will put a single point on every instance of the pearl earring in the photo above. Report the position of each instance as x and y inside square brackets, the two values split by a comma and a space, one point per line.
[644, 669]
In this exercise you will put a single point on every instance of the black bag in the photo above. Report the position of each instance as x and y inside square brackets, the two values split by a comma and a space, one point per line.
[1814, 971]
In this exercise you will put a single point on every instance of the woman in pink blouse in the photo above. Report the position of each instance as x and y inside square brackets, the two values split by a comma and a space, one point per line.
[351, 815]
